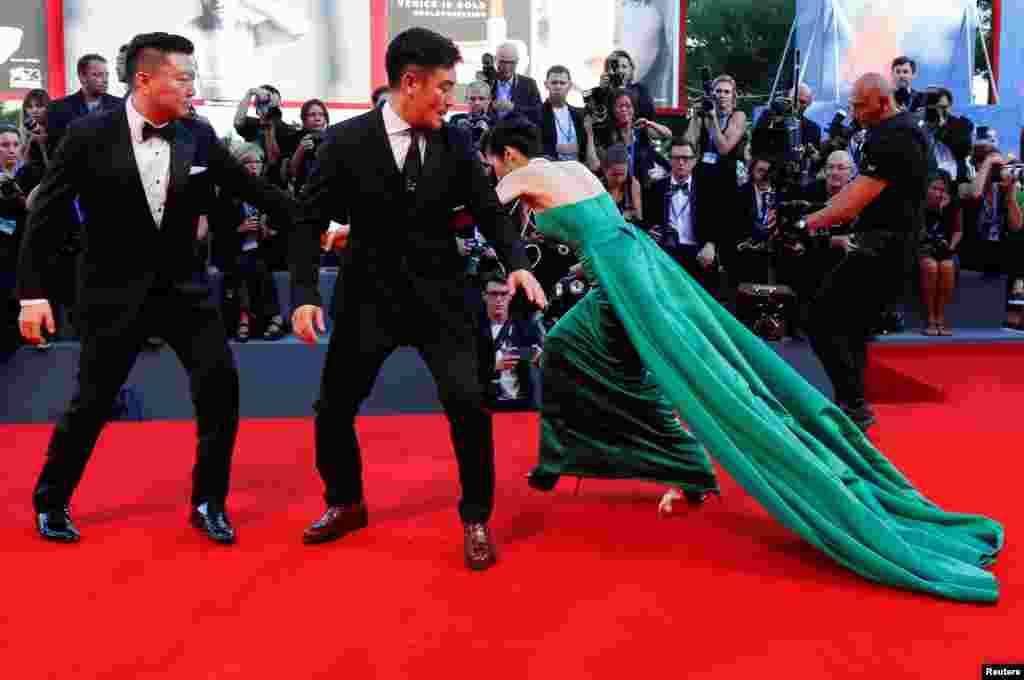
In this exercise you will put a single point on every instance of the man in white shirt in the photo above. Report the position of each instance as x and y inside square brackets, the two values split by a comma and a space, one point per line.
[564, 132]
[142, 174]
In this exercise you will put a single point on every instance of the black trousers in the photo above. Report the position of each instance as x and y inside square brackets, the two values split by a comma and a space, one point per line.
[686, 257]
[842, 313]
[365, 335]
[196, 334]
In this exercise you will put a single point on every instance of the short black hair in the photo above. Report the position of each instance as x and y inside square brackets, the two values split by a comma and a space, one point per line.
[516, 132]
[378, 93]
[148, 50]
[86, 59]
[558, 68]
[684, 141]
[310, 103]
[941, 92]
[494, 276]
[419, 47]
[900, 61]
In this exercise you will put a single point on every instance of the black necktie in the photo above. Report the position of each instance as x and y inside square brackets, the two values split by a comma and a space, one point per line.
[166, 132]
[413, 163]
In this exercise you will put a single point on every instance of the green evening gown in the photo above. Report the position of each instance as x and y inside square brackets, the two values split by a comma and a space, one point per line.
[647, 341]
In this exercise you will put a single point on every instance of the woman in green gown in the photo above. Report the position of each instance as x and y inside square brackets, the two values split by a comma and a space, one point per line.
[647, 342]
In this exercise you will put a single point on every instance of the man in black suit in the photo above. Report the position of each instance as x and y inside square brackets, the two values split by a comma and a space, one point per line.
[681, 212]
[509, 347]
[142, 174]
[562, 131]
[396, 175]
[512, 92]
[94, 76]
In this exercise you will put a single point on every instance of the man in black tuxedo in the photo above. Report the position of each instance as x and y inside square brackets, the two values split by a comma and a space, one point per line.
[681, 212]
[142, 173]
[512, 92]
[94, 75]
[396, 175]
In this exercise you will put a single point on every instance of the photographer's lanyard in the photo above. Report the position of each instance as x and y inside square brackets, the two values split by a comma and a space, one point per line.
[991, 222]
[711, 154]
[565, 136]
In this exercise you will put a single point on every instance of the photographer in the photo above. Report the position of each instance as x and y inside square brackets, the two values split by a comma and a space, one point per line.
[937, 254]
[315, 120]
[479, 120]
[645, 163]
[950, 135]
[991, 215]
[886, 200]
[904, 70]
[510, 348]
[13, 211]
[514, 92]
[277, 139]
[719, 130]
[33, 129]
[619, 71]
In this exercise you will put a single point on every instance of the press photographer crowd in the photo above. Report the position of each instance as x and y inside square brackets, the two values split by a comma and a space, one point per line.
[802, 233]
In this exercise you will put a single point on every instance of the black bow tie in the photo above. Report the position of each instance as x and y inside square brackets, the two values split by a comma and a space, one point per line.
[673, 188]
[166, 132]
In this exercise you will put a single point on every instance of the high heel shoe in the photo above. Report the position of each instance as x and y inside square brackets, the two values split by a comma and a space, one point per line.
[542, 481]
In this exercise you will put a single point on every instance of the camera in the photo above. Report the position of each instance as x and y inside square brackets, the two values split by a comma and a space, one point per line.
[932, 113]
[488, 73]
[318, 138]
[476, 252]
[32, 125]
[569, 290]
[707, 84]
[477, 124]
[1013, 171]
[9, 188]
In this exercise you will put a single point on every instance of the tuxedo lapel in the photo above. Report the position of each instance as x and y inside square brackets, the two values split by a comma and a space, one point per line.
[182, 153]
[127, 166]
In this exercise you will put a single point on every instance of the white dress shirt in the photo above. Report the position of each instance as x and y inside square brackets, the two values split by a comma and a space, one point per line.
[153, 159]
[400, 135]
[679, 214]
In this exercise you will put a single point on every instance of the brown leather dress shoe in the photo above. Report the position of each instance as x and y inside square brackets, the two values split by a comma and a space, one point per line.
[481, 552]
[337, 521]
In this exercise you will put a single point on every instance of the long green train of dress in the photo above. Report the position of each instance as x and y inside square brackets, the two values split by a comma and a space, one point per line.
[648, 339]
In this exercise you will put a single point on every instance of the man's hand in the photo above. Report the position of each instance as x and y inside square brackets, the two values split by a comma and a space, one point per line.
[656, 233]
[506, 362]
[795, 248]
[307, 143]
[335, 239]
[502, 106]
[845, 243]
[303, 319]
[706, 256]
[525, 280]
[251, 224]
[32, 319]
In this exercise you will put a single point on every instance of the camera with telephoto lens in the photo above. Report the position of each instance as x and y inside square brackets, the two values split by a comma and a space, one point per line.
[569, 290]
[317, 138]
[488, 73]
[9, 188]
[707, 84]
[265, 105]
[477, 125]
[476, 252]
[1006, 171]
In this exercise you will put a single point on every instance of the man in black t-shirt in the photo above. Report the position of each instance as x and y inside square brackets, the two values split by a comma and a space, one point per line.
[887, 201]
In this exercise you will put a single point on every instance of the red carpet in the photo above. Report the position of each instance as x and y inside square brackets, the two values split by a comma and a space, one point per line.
[588, 586]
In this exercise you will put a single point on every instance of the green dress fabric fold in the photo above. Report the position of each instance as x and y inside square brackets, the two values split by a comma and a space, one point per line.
[649, 340]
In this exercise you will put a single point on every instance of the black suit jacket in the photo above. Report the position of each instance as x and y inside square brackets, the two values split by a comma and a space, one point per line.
[61, 112]
[125, 256]
[525, 97]
[707, 211]
[522, 333]
[549, 135]
[359, 183]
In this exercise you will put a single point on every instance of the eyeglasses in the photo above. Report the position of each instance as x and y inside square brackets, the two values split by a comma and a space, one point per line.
[508, 61]
[684, 158]
[498, 294]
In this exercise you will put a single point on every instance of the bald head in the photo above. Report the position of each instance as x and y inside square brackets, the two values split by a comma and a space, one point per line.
[871, 99]
[805, 95]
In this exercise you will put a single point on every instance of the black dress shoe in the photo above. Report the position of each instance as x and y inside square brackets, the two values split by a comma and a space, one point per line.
[542, 481]
[56, 525]
[481, 552]
[336, 521]
[212, 519]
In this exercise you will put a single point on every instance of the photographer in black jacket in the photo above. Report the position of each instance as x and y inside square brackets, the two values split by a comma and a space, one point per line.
[887, 199]
[951, 135]
[12, 221]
